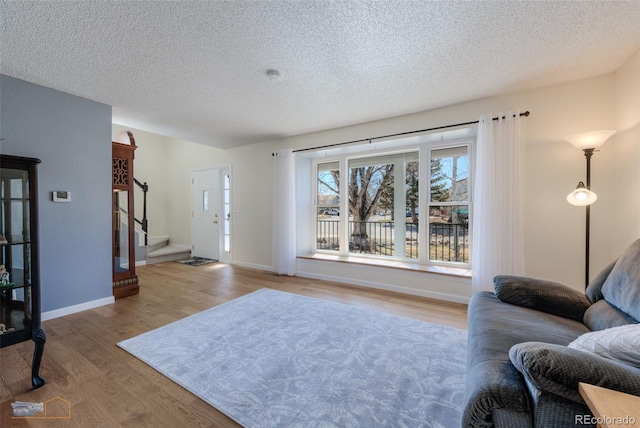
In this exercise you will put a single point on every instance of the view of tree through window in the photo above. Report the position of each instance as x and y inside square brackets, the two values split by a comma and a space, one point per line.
[383, 213]
[368, 180]
[449, 205]
[328, 207]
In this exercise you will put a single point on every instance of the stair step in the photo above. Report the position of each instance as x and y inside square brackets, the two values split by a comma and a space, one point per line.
[156, 242]
[168, 253]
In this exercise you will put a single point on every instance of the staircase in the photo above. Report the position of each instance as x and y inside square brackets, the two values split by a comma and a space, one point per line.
[160, 249]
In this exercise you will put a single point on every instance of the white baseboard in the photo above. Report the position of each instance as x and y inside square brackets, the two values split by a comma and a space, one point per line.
[387, 287]
[251, 265]
[141, 262]
[57, 313]
[370, 284]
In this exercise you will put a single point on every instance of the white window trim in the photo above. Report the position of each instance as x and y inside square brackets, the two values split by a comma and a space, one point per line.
[424, 150]
[469, 144]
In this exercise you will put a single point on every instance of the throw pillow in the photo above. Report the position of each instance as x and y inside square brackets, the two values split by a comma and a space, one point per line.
[622, 286]
[542, 295]
[617, 343]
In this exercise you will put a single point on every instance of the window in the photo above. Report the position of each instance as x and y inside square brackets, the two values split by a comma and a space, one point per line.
[449, 205]
[380, 216]
[205, 200]
[328, 206]
[379, 204]
[227, 212]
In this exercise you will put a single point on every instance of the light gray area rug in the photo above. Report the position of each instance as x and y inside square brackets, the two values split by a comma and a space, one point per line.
[273, 359]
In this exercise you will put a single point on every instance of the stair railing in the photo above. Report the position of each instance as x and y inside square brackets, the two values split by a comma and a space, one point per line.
[143, 223]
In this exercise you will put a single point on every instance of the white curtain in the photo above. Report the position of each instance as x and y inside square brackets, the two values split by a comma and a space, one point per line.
[284, 214]
[497, 229]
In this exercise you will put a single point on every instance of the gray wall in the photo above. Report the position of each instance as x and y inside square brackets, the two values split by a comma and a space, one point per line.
[72, 137]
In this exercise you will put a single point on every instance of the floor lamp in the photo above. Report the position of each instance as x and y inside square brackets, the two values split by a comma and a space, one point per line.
[588, 142]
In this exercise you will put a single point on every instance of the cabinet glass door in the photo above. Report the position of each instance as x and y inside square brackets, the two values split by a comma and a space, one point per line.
[121, 231]
[15, 243]
[19, 266]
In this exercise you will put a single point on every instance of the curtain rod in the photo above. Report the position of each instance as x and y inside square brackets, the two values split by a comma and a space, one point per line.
[364, 140]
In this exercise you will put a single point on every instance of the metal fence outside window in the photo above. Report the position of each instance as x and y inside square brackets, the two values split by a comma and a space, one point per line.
[447, 241]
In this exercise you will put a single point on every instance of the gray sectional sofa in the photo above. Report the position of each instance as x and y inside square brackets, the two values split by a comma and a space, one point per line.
[521, 371]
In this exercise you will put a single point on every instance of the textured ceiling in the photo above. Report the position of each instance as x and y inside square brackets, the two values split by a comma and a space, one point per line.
[196, 70]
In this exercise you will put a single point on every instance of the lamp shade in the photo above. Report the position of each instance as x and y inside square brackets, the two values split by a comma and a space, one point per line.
[582, 196]
[590, 140]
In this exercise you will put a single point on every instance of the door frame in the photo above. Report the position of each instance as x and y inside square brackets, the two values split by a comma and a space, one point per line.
[223, 256]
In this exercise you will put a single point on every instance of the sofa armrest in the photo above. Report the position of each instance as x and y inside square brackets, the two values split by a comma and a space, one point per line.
[557, 370]
[542, 295]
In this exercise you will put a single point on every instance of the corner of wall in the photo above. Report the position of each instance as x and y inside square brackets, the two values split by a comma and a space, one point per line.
[626, 149]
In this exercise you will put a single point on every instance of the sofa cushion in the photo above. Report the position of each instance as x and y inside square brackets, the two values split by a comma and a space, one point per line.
[603, 315]
[542, 295]
[495, 326]
[616, 343]
[622, 287]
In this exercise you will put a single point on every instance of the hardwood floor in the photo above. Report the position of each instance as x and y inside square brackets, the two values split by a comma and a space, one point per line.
[107, 387]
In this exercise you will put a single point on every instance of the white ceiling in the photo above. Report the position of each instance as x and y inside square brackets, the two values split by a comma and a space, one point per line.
[196, 70]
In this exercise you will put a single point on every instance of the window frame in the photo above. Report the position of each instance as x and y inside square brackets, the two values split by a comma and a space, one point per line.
[424, 151]
[315, 207]
[469, 202]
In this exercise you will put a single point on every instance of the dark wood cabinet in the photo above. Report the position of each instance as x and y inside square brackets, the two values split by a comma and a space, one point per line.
[125, 280]
[20, 274]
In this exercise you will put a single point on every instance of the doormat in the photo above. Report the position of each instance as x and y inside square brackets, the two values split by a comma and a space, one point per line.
[196, 261]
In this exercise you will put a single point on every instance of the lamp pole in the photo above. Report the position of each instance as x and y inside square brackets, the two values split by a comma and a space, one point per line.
[587, 154]
[588, 142]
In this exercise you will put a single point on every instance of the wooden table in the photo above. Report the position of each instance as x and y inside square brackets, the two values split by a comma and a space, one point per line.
[612, 409]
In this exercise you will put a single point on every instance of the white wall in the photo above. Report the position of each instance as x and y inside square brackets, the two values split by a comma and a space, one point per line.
[252, 179]
[183, 157]
[150, 165]
[554, 230]
[625, 183]
[166, 165]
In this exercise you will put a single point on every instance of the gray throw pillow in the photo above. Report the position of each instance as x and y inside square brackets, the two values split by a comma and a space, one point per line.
[594, 290]
[542, 295]
[558, 369]
[622, 287]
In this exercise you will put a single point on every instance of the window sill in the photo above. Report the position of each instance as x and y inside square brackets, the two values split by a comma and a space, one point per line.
[395, 264]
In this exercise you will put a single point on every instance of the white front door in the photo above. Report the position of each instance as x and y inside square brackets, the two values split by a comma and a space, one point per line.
[206, 214]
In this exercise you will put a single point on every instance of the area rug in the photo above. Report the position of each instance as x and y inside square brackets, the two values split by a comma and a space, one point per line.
[272, 359]
[196, 261]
